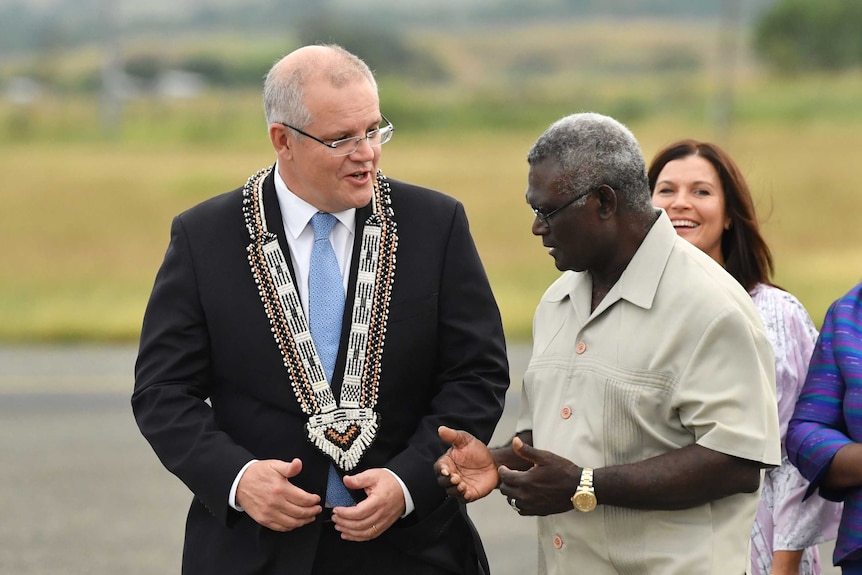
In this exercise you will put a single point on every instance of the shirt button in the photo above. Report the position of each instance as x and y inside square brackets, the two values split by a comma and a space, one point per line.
[566, 412]
[558, 542]
[580, 348]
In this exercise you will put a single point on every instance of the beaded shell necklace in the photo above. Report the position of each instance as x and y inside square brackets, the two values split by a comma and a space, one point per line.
[343, 430]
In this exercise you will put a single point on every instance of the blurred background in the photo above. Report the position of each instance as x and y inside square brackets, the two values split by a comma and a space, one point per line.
[116, 115]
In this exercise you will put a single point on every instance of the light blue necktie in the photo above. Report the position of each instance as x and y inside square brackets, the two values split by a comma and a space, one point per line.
[325, 311]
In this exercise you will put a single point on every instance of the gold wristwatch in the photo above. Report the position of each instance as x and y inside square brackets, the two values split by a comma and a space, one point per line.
[584, 499]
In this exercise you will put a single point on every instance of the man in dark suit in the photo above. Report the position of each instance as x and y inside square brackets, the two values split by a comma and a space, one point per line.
[234, 389]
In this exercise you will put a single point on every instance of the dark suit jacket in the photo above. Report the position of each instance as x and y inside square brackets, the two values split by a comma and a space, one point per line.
[206, 337]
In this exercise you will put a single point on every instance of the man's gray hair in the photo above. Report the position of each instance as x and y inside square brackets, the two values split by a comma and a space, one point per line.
[592, 150]
[284, 92]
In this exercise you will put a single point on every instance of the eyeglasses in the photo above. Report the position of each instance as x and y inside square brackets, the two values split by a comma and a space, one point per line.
[346, 146]
[546, 218]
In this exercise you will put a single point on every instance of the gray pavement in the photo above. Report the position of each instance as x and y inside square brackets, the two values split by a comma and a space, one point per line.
[81, 492]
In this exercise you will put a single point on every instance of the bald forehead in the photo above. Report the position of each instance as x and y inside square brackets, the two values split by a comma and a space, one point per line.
[307, 57]
[313, 62]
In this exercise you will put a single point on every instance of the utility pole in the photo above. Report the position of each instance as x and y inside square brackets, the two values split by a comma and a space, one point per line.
[728, 44]
[111, 105]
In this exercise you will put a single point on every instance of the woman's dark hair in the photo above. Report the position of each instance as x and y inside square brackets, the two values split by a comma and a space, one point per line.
[746, 255]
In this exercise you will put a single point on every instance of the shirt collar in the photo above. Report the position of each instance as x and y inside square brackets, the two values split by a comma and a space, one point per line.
[296, 212]
[639, 281]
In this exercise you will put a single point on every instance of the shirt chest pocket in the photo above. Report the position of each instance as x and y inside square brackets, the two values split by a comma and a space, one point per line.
[606, 415]
[639, 417]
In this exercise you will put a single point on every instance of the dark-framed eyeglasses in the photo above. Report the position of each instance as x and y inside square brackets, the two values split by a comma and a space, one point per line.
[546, 218]
[346, 146]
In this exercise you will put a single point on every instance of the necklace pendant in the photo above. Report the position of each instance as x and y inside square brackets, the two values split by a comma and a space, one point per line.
[343, 434]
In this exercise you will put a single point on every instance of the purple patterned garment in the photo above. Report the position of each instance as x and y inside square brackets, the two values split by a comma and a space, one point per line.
[785, 522]
[828, 415]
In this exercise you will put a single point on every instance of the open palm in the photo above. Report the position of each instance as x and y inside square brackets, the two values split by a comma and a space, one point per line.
[467, 469]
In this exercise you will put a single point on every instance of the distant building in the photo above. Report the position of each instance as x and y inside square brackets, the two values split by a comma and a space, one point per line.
[22, 90]
[179, 84]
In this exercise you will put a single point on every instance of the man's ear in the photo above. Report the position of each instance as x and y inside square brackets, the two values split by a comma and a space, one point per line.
[280, 139]
[608, 201]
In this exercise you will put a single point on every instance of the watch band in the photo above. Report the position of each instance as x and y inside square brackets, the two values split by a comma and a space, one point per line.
[584, 499]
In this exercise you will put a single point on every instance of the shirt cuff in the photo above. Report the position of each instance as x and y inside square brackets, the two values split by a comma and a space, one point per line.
[231, 498]
[408, 501]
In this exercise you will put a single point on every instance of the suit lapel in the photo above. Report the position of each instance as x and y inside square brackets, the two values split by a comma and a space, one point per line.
[361, 215]
[274, 221]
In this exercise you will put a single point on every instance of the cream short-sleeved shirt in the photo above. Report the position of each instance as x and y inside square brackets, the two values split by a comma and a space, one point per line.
[674, 355]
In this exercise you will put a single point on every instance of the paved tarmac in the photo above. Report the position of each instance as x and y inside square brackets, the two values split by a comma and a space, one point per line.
[81, 492]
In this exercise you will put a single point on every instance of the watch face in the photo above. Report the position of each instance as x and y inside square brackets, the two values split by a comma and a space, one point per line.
[584, 501]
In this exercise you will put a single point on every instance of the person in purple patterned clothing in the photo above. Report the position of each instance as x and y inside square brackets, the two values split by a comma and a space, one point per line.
[710, 205]
[824, 438]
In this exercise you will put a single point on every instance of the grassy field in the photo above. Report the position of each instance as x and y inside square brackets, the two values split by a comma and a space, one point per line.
[85, 217]
[84, 228]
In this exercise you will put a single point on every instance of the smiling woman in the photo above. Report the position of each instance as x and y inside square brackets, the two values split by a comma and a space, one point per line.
[690, 192]
[710, 205]
[704, 193]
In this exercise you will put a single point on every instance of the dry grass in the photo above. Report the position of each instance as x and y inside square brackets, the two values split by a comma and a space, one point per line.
[84, 225]
[84, 229]
[802, 178]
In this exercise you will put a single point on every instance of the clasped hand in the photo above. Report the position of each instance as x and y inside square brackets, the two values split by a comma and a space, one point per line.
[267, 495]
